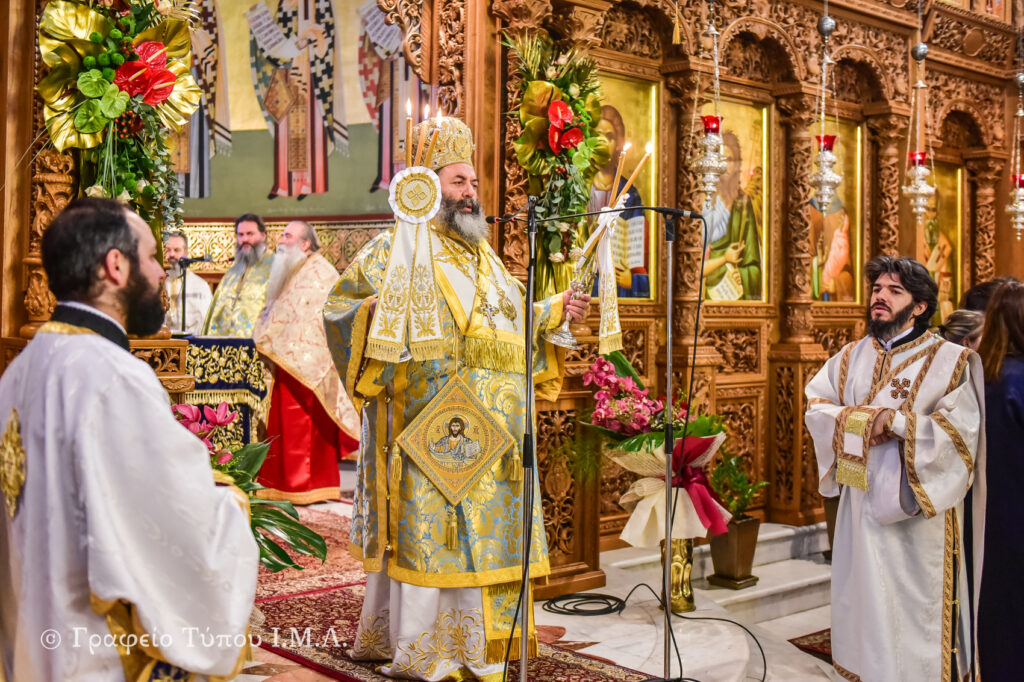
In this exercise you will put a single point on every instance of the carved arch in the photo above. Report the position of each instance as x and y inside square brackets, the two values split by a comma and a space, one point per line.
[973, 115]
[863, 55]
[765, 30]
[643, 28]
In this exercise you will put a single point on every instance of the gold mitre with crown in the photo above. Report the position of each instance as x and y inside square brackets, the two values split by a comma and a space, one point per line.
[454, 142]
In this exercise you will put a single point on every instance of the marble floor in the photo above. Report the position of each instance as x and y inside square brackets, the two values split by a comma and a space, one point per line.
[710, 647]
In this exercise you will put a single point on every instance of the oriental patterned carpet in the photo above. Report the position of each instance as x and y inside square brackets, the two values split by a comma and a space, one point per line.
[311, 617]
[339, 570]
[817, 644]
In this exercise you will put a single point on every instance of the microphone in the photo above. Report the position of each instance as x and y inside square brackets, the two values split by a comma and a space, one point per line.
[492, 219]
[680, 213]
[186, 261]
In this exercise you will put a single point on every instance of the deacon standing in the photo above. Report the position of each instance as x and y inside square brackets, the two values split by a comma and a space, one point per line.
[312, 423]
[896, 420]
[112, 526]
[194, 297]
[443, 576]
[241, 294]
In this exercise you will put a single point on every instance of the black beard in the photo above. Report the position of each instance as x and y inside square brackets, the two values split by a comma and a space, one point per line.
[886, 330]
[144, 311]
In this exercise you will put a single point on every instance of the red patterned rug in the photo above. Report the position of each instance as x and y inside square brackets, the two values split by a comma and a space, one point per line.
[318, 629]
[817, 644]
[340, 568]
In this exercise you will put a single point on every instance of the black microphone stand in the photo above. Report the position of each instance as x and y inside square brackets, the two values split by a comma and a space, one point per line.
[529, 442]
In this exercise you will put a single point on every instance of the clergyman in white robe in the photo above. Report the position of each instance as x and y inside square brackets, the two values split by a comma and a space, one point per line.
[111, 519]
[899, 599]
[196, 301]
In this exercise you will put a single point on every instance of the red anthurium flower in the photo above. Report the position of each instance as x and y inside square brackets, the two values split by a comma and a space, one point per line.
[149, 76]
[559, 114]
[553, 141]
[571, 138]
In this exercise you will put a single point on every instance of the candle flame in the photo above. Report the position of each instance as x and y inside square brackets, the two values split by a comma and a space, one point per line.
[426, 111]
[626, 147]
[649, 147]
[408, 107]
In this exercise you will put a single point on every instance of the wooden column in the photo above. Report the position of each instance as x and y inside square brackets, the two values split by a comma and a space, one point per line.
[985, 170]
[793, 494]
[888, 127]
[691, 351]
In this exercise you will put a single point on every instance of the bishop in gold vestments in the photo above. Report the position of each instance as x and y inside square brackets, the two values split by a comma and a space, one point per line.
[445, 607]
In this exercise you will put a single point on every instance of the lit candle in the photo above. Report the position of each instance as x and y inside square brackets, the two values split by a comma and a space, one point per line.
[618, 174]
[430, 147]
[825, 142]
[636, 171]
[419, 147]
[712, 123]
[408, 133]
[918, 158]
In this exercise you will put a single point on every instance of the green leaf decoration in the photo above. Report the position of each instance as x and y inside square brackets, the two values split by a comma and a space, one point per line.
[91, 83]
[250, 458]
[89, 118]
[114, 102]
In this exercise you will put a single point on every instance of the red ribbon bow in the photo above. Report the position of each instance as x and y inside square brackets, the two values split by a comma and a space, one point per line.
[693, 480]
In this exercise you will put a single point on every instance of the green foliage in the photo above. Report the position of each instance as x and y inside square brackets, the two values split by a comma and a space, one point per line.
[275, 523]
[623, 367]
[730, 482]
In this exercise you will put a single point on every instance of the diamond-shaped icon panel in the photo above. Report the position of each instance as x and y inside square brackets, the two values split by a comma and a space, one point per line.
[455, 440]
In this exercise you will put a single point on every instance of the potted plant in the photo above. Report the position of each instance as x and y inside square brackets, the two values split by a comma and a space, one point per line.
[732, 553]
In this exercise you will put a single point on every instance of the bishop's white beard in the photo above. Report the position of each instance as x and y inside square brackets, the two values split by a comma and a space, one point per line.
[287, 261]
[470, 226]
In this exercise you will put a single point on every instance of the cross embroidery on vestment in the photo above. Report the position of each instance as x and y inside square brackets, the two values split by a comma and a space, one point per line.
[899, 388]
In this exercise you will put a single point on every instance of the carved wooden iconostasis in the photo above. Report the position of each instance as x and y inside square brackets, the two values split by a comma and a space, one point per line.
[752, 356]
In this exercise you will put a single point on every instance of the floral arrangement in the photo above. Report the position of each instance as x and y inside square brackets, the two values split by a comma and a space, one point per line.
[274, 522]
[119, 82]
[560, 147]
[634, 424]
[623, 407]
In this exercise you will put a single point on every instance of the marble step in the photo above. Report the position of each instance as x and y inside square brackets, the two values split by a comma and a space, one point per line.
[784, 588]
[775, 543]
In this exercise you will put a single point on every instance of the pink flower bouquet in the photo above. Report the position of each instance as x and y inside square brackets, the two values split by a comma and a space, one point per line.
[634, 424]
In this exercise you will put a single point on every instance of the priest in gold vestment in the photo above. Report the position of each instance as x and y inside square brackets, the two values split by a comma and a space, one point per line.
[897, 420]
[443, 577]
[242, 292]
[312, 423]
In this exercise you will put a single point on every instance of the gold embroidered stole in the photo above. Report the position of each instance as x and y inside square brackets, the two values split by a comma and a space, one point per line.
[485, 300]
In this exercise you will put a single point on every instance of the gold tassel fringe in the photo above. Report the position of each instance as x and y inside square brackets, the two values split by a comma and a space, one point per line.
[428, 350]
[395, 468]
[515, 465]
[379, 350]
[609, 344]
[451, 530]
[496, 355]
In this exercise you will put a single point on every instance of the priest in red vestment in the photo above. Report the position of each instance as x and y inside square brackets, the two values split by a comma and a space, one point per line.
[312, 424]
